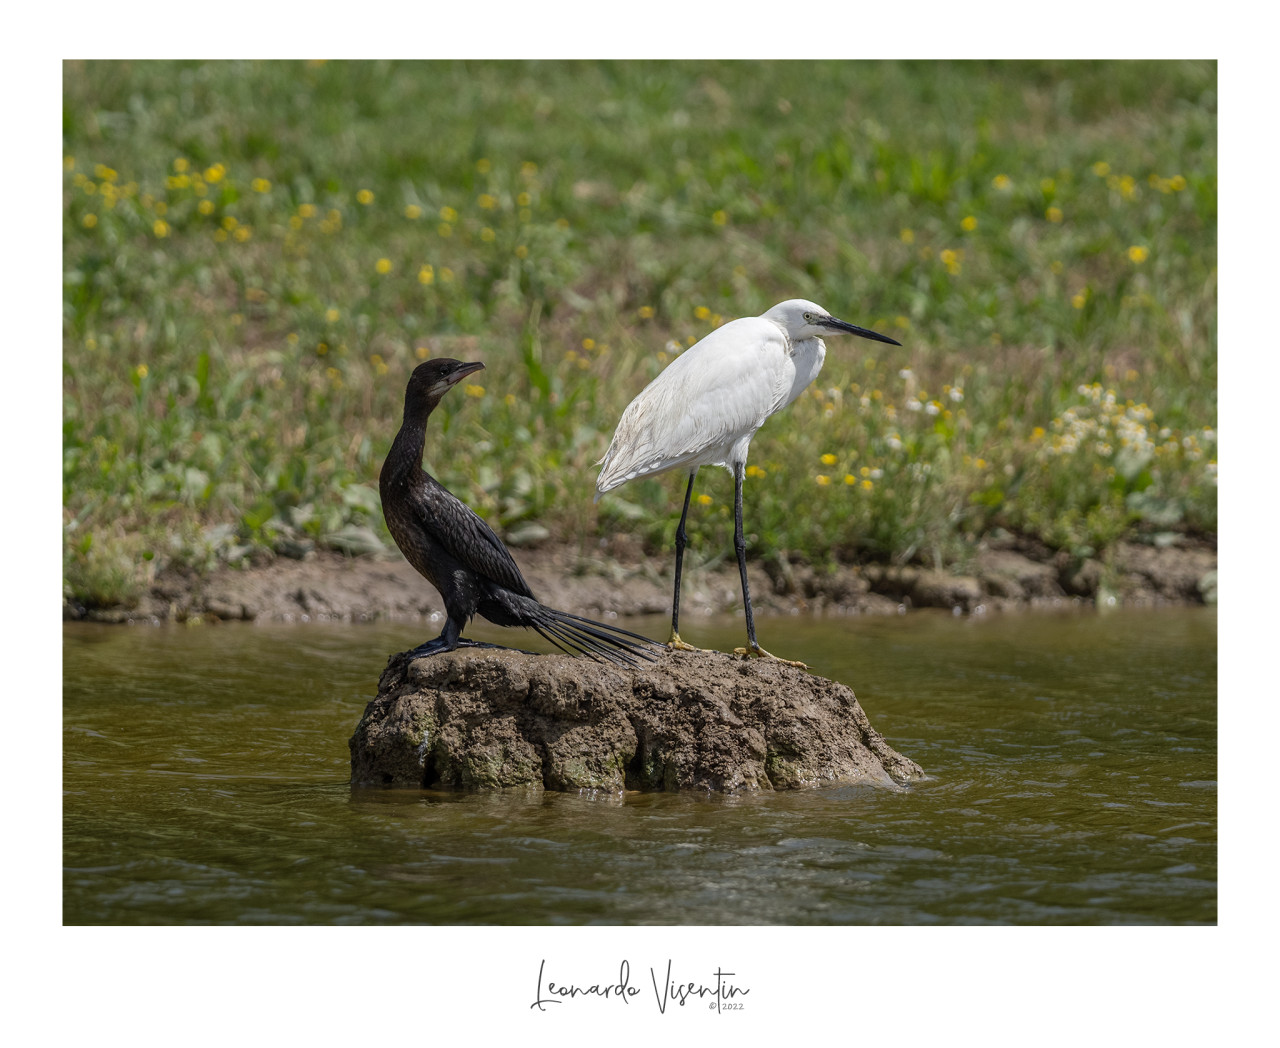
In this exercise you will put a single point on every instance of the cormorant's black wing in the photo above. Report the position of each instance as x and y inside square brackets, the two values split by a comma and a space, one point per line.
[468, 538]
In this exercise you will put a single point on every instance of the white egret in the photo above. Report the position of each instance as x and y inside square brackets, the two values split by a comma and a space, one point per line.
[706, 405]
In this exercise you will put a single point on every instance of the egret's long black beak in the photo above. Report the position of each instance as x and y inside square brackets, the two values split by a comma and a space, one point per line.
[853, 329]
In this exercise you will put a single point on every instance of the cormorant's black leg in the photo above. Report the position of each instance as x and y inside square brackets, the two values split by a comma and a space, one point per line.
[447, 641]
[740, 545]
[450, 640]
[432, 647]
[682, 539]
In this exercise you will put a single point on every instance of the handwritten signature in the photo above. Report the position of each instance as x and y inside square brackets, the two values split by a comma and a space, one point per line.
[721, 992]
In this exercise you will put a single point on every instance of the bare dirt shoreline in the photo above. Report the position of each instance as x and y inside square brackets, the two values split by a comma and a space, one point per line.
[1009, 575]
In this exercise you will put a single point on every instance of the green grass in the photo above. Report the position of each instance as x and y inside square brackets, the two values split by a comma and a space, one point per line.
[256, 256]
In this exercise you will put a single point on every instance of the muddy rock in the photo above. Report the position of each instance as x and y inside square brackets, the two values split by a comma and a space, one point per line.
[1149, 575]
[1014, 576]
[702, 721]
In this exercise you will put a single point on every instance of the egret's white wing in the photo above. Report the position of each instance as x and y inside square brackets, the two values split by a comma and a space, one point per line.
[712, 396]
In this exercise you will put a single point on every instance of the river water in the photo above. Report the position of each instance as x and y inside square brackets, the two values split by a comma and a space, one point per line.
[1072, 761]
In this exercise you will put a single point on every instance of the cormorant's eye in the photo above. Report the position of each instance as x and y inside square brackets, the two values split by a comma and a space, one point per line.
[808, 317]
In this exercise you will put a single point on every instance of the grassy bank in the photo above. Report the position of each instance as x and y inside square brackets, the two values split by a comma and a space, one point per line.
[256, 255]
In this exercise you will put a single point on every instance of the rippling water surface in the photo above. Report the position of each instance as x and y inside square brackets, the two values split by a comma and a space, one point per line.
[1072, 762]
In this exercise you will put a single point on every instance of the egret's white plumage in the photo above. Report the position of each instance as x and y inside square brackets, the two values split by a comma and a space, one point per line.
[708, 403]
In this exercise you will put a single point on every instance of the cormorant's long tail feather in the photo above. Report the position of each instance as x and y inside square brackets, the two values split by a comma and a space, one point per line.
[579, 636]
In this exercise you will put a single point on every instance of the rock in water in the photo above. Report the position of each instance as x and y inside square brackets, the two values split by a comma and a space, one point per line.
[693, 720]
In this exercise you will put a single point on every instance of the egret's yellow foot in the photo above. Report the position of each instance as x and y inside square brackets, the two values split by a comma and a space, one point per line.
[760, 653]
[676, 644]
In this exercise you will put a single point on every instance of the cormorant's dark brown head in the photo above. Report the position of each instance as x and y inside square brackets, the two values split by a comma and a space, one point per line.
[433, 379]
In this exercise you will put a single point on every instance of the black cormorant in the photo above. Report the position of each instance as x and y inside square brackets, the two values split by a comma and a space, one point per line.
[459, 554]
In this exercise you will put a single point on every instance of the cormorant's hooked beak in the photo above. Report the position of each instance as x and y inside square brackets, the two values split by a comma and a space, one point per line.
[463, 371]
[853, 329]
[447, 382]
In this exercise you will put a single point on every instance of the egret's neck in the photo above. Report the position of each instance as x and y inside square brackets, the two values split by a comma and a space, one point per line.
[807, 354]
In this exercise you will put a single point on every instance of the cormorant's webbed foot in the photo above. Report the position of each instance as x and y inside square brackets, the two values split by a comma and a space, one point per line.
[464, 643]
[441, 644]
[432, 647]
[759, 652]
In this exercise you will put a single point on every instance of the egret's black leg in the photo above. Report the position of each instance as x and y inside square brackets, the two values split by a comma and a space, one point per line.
[740, 545]
[682, 540]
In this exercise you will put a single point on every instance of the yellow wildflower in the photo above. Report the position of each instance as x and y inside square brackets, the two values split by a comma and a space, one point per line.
[365, 197]
[383, 266]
